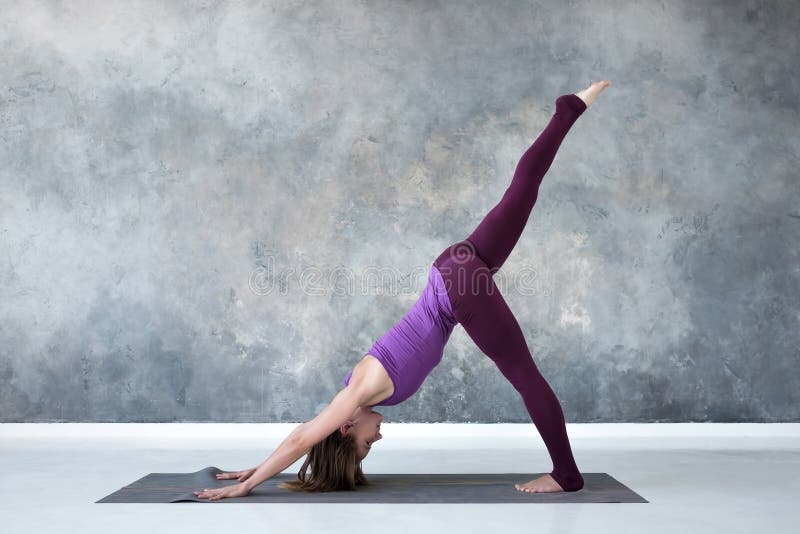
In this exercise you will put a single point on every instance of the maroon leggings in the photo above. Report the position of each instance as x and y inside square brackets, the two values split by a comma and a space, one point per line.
[467, 268]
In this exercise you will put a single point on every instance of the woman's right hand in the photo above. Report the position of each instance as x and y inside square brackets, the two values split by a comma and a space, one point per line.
[240, 475]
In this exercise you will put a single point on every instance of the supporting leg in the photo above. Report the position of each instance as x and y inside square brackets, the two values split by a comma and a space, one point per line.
[485, 315]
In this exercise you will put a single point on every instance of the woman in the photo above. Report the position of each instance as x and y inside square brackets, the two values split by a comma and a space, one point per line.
[460, 290]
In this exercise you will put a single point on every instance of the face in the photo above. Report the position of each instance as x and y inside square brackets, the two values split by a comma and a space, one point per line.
[365, 426]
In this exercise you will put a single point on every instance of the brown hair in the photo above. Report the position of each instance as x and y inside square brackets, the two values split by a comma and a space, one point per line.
[334, 466]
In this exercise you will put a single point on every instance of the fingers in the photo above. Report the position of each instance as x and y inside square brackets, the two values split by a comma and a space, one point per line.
[211, 495]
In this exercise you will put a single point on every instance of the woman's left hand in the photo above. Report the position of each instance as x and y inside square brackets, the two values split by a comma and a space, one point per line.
[236, 490]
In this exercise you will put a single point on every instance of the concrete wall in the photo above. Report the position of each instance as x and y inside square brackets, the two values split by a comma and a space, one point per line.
[209, 210]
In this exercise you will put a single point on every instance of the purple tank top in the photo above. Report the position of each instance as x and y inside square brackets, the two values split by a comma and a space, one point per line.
[411, 348]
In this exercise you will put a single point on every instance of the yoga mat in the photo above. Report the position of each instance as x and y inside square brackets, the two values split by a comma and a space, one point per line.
[384, 488]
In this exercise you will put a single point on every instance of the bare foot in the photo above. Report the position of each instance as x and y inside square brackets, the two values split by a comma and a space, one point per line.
[543, 484]
[591, 93]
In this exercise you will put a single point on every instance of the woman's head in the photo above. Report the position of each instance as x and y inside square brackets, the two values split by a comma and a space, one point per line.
[335, 461]
[365, 427]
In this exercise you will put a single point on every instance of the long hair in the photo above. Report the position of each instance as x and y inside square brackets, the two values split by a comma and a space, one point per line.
[334, 466]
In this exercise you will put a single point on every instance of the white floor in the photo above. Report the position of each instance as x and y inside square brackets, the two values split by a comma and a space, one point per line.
[698, 478]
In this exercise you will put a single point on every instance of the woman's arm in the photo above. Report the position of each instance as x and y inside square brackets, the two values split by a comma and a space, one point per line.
[305, 436]
[287, 453]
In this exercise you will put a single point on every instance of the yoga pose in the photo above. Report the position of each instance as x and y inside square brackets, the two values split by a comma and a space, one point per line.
[460, 290]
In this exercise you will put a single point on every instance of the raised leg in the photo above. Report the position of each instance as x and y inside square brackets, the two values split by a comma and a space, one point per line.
[494, 238]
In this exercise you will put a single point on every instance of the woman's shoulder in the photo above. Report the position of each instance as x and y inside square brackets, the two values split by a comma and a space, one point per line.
[372, 377]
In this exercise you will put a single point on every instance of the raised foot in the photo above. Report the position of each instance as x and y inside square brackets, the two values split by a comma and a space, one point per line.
[590, 94]
[543, 484]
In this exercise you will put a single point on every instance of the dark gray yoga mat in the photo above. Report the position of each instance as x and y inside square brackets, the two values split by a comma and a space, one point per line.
[384, 488]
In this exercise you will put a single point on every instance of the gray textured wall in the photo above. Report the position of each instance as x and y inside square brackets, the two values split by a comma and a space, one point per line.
[204, 205]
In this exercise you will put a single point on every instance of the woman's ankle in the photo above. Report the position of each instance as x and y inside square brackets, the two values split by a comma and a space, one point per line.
[572, 101]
